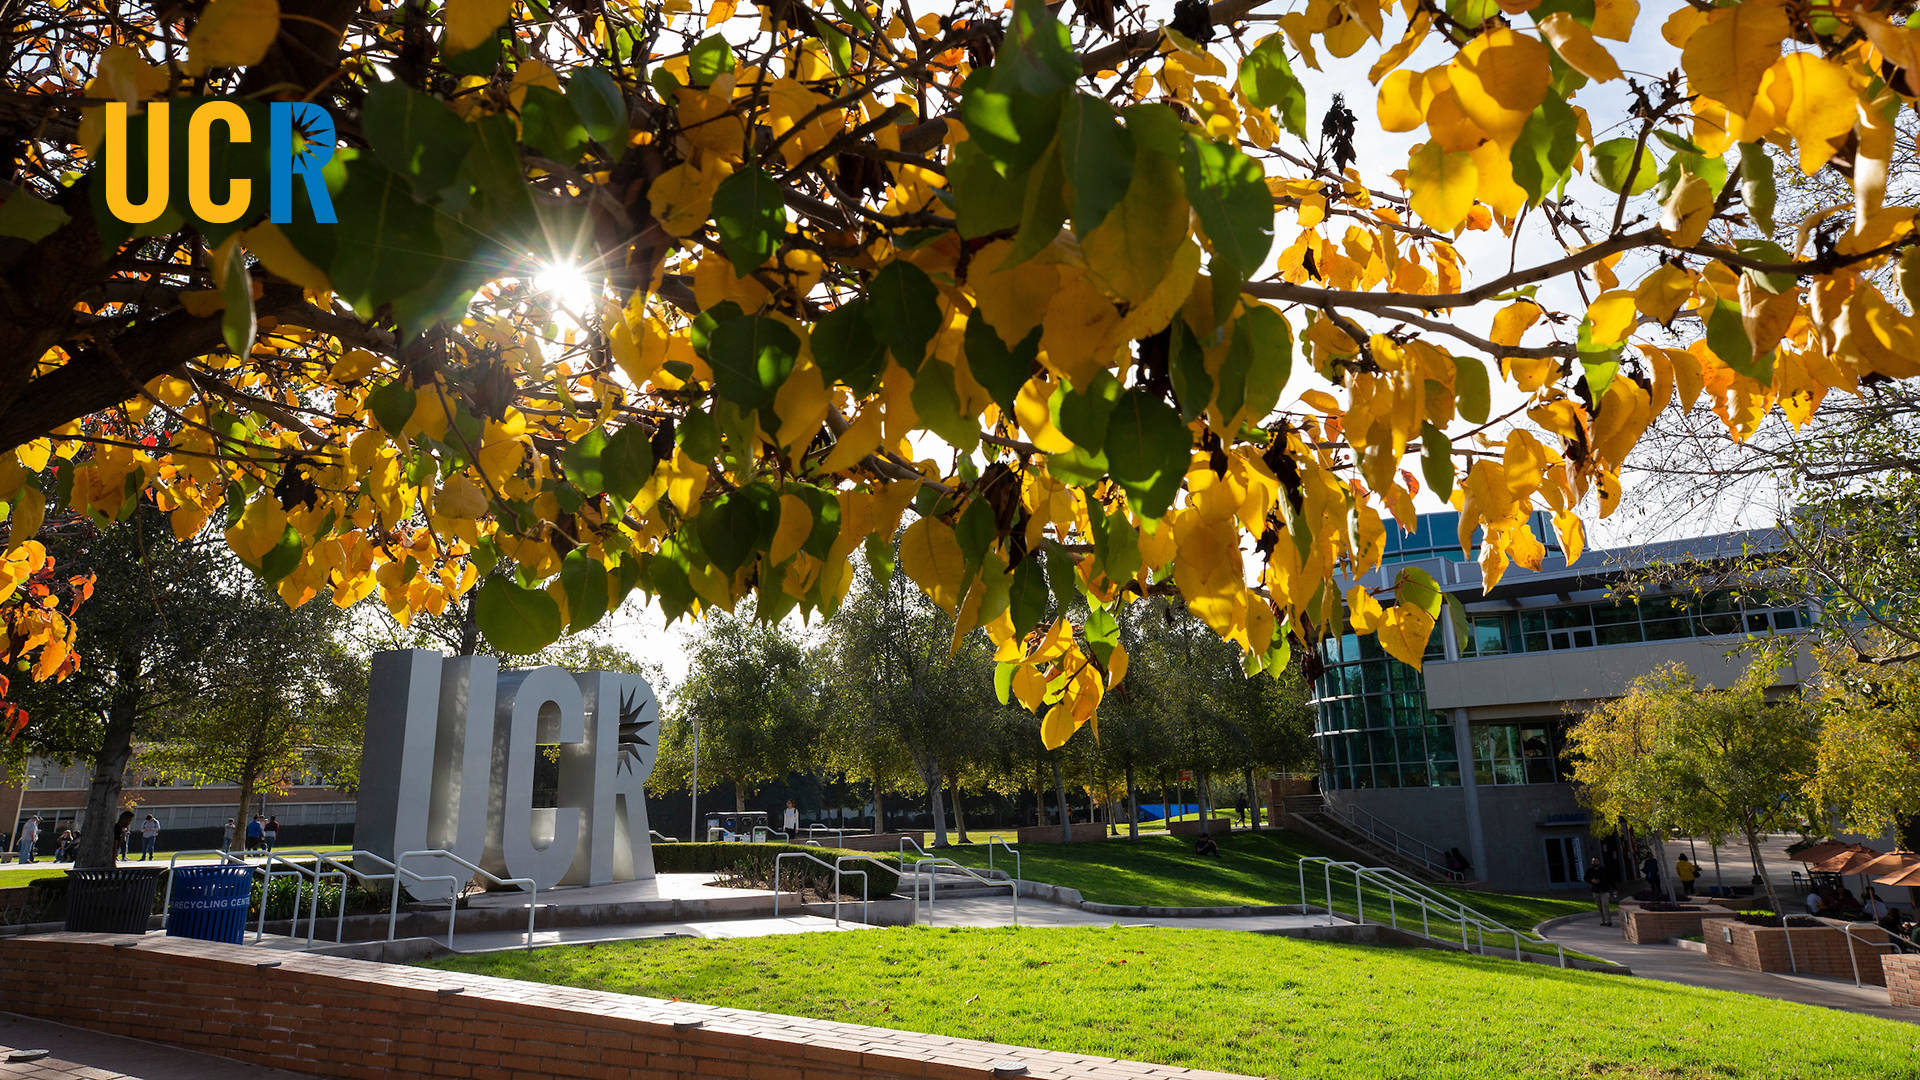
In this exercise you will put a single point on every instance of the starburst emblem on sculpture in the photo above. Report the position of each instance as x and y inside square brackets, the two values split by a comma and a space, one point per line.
[632, 729]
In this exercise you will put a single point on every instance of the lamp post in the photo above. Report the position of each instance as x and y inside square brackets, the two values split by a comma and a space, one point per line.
[693, 823]
[19, 805]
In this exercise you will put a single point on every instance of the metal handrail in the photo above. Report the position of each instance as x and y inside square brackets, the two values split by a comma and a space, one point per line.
[343, 867]
[1401, 842]
[266, 891]
[453, 903]
[783, 856]
[768, 830]
[1848, 929]
[865, 917]
[909, 842]
[1015, 852]
[839, 835]
[1429, 900]
[933, 863]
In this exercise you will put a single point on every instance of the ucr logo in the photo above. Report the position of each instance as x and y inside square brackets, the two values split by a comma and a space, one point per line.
[301, 141]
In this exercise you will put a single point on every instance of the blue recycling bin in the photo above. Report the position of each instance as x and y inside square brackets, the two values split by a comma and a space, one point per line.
[210, 903]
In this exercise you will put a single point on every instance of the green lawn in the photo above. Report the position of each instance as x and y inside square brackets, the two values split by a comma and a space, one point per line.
[12, 874]
[1240, 1002]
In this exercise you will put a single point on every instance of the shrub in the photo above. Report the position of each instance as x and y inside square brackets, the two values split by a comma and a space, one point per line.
[754, 864]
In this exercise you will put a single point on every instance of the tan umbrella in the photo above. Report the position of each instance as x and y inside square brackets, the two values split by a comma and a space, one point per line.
[1852, 860]
[1908, 875]
[1820, 852]
[1893, 862]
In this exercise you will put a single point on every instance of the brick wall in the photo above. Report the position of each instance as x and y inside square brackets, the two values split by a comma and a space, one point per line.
[1903, 979]
[1219, 826]
[336, 1017]
[1645, 927]
[1821, 950]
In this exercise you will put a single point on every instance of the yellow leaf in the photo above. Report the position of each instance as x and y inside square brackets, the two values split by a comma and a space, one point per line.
[1404, 97]
[1441, 186]
[1363, 611]
[1726, 58]
[1575, 44]
[1824, 106]
[271, 246]
[357, 364]
[1615, 18]
[260, 527]
[931, 556]
[1500, 78]
[1014, 300]
[232, 33]
[1403, 633]
[802, 406]
[1687, 212]
[1573, 534]
[1511, 323]
[1624, 413]
[1610, 318]
[861, 438]
[1416, 33]
[681, 198]
[1497, 189]
[1661, 293]
[461, 498]
[1057, 726]
[796, 523]
[1031, 411]
[470, 22]
[29, 510]
[201, 303]
[1129, 252]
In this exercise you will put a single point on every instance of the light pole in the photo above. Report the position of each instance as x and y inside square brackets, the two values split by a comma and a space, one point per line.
[693, 823]
[19, 804]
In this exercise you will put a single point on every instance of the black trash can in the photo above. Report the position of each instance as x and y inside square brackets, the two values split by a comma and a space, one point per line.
[118, 901]
[210, 903]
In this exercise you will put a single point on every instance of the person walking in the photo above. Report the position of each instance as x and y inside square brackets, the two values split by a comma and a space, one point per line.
[790, 820]
[1601, 883]
[122, 833]
[149, 836]
[1650, 870]
[271, 831]
[226, 836]
[1240, 808]
[1685, 872]
[255, 832]
[29, 836]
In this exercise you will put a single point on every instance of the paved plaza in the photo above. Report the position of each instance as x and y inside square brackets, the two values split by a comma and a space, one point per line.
[40, 1050]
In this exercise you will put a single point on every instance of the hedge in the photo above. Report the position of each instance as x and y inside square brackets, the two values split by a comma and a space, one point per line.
[755, 862]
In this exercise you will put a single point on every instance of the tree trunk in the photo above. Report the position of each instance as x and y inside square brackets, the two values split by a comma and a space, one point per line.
[936, 795]
[1133, 807]
[879, 811]
[1760, 867]
[469, 627]
[1666, 890]
[739, 797]
[959, 813]
[1253, 803]
[1060, 794]
[1202, 799]
[240, 819]
[110, 772]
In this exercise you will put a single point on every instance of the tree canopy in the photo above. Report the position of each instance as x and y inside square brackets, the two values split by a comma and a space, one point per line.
[699, 301]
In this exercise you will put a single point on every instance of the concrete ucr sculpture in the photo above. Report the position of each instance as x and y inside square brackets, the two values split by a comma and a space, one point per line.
[449, 760]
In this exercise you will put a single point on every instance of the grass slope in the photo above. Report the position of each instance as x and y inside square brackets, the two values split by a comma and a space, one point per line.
[1245, 1003]
[11, 875]
[1253, 868]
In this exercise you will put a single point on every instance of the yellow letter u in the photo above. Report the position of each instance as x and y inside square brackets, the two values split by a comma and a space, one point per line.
[158, 164]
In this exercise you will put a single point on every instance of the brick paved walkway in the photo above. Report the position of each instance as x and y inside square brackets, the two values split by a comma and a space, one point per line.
[78, 1054]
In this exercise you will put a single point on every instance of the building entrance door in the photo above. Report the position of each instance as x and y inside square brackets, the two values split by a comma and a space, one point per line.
[1566, 862]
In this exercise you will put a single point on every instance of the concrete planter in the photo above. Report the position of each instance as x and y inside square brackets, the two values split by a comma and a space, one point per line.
[1823, 949]
[1219, 826]
[1645, 927]
[1083, 832]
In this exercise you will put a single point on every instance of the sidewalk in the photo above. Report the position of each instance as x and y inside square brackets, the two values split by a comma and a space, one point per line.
[78, 1054]
[1670, 963]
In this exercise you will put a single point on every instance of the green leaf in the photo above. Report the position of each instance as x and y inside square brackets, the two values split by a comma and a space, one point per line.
[416, 135]
[584, 580]
[1027, 598]
[583, 462]
[1043, 209]
[1259, 361]
[737, 525]
[937, 402]
[1436, 460]
[1267, 79]
[394, 246]
[1416, 588]
[1756, 185]
[30, 218]
[1002, 371]
[905, 307]
[1768, 252]
[1727, 337]
[236, 319]
[839, 50]
[1096, 154]
[391, 405]
[1083, 414]
[1003, 680]
[752, 217]
[1470, 387]
[826, 518]
[549, 125]
[1103, 633]
[984, 201]
[626, 461]
[283, 558]
[751, 356]
[1147, 449]
[1544, 152]
[1613, 166]
[1187, 364]
[1228, 190]
[711, 58]
[1120, 552]
[975, 532]
[601, 107]
[514, 619]
[846, 349]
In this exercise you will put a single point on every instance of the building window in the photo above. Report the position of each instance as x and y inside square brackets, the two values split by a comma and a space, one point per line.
[1510, 754]
[1566, 864]
[1373, 727]
[1627, 622]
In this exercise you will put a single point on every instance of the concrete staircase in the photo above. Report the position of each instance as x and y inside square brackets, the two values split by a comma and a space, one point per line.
[1310, 816]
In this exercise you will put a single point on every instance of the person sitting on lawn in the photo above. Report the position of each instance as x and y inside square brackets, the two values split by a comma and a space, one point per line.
[1206, 845]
